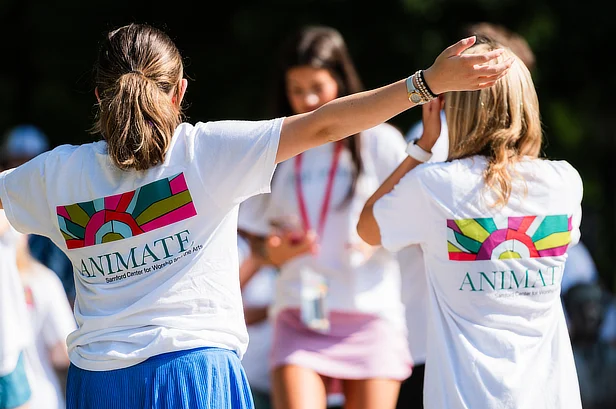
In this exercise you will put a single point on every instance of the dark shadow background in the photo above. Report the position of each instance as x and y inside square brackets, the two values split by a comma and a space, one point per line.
[48, 49]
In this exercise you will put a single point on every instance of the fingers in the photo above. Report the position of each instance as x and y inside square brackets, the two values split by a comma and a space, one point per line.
[483, 57]
[491, 81]
[307, 244]
[460, 46]
[486, 75]
[488, 70]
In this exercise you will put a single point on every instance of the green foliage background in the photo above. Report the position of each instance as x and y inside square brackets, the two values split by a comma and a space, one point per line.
[48, 49]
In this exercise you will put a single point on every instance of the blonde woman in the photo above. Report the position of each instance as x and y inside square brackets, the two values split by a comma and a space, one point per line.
[495, 222]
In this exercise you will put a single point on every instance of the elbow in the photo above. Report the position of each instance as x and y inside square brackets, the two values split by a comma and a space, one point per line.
[367, 228]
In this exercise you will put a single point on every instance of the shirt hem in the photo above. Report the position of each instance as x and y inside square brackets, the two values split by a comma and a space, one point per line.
[119, 363]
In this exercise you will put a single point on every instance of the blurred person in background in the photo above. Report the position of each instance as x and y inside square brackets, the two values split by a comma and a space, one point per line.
[51, 320]
[15, 335]
[415, 294]
[20, 144]
[257, 284]
[581, 269]
[595, 359]
[257, 281]
[361, 348]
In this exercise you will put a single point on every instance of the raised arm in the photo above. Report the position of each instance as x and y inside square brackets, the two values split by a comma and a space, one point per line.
[367, 227]
[352, 114]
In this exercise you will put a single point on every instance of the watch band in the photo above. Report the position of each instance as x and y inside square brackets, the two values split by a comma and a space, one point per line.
[413, 94]
[416, 152]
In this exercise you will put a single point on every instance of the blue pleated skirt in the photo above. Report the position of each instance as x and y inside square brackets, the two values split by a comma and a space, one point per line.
[202, 378]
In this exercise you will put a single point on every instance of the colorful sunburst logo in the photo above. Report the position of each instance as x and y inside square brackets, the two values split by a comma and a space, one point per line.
[150, 207]
[505, 238]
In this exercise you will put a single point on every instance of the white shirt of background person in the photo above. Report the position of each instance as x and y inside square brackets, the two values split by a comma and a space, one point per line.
[14, 336]
[51, 321]
[412, 268]
[258, 292]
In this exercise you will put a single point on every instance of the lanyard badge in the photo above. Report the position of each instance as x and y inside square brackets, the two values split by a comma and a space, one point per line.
[314, 310]
[314, 291]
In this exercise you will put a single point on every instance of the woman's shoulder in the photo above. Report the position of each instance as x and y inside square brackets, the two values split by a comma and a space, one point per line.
[383, 141]
[40, 276]
[559, 170]
[457, 168]
[229, 127]
[65, 152]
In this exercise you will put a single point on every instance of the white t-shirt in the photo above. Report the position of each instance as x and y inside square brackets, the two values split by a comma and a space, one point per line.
[258, 292]
[360, 278]
[412, 268]
[440, 150]
[14, 335]
[52, 321]
[497, 335]
[154, 252]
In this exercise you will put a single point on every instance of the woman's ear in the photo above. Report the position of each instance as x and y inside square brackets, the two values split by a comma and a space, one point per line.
[98, 98]
[181, 91]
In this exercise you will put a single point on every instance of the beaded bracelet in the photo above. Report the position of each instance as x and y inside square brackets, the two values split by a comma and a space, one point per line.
[422, 79]
[425, 96]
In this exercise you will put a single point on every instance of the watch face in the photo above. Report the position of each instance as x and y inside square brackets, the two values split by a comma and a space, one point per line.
[415, 97]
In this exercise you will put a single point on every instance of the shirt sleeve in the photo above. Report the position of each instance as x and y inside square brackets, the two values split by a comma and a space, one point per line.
[60, 321]
[24, 197]
[402, 213]
[389, 149]
[254, 215]
[238, 157]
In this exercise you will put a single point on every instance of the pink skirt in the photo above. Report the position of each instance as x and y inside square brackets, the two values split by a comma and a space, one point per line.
[357, 346]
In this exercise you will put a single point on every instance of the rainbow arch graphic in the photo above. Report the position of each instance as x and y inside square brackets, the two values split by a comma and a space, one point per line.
[112, 218]
[508, 237]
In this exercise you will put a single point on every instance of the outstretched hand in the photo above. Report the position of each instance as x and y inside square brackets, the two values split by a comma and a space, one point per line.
[454, 71]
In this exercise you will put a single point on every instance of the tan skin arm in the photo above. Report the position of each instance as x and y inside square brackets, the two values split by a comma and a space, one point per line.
[354, 113]
[367, 227]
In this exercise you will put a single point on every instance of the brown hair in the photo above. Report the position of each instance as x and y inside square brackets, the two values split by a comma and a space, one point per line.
[319, 47]
[138, 69]
[501, 122]
[505, 37]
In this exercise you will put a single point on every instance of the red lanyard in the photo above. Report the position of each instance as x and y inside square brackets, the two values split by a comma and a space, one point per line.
[328, 190]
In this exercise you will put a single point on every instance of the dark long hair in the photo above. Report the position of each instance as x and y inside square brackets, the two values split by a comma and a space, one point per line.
[319, 47]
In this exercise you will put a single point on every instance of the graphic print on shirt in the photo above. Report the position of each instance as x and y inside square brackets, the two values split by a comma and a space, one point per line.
[508, 237]
[150, 207]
